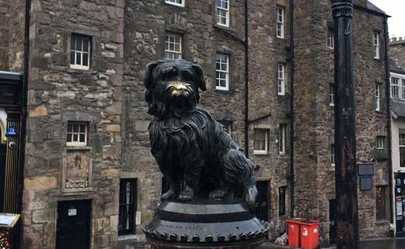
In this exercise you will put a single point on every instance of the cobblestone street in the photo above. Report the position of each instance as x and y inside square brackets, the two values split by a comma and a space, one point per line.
[373, 244]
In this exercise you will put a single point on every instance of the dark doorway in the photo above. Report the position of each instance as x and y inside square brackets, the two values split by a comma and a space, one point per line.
[262, 209]
[3, 150]
[400, 204]
[73, 224]
[332, 221]
[128, 203]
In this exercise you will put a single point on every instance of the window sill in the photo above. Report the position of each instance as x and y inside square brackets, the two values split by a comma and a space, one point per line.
[78, 148]
[222, 26]
[78, 67]
[260, 153]
[127, 237]
[175, 4]
[281, 38]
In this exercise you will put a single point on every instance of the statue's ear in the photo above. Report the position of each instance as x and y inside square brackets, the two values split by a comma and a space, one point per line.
[200, 77]
[147, 81]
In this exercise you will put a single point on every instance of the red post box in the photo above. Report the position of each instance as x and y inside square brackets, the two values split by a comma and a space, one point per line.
[293, 231]
[310, 235]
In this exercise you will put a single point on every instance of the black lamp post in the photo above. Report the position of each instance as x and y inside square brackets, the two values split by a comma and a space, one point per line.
[345, 128]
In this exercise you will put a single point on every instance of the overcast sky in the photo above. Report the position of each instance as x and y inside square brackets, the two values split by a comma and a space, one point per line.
[394, 8]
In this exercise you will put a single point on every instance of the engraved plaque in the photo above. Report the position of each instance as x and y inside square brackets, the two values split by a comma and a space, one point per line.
[77, 167]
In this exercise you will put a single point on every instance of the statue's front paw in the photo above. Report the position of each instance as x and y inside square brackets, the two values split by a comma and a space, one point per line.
[186, 195]
[170, 194]
[251, 195]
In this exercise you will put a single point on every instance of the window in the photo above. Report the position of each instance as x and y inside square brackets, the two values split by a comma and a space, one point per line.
[382, 203]
[222, 12]
[80, 51]
[332, 95]
[176, 2]
[377, 45]
[402, 92]
[282, 139]
[173, 48]
[222, 72]
[261, 141]
[281, 79]
[77, 134]
[282, 200]
[332, 155]
[394, 87]
[380, 143]
[378, 97]
[331, 39]
[280, 22]
[401, 147]
[127, 206]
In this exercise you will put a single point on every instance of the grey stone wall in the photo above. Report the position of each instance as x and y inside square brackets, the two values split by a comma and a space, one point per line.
[397, 52]
[4, 17]
[146, 24]
[58, 94]
[266, 108]
[314, 115]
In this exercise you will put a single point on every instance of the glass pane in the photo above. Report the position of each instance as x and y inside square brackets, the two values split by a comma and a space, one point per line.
[75, 138]
[75, 128]
[85, 59]
[86, 44]
[78, 59]
[69, 137]
[72, 57]
[82, 138]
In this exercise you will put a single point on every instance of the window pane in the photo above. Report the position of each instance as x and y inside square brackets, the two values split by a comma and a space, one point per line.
[402, 156]
[85, 59]
[82, 138]
[78, 59]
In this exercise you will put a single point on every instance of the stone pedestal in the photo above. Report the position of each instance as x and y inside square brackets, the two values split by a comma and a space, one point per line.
[205, 225]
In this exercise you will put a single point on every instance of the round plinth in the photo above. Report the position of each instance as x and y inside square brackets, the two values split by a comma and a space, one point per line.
[205, 225]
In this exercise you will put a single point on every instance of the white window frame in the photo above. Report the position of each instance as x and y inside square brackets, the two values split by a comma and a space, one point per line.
[221, 9]
[380, 143]
[377, 45]
[81, 52]
[222, 67]
[282, 139]
[378, 97]
[281, 79]
[77, 143]
[171, 42]
[175, 3]
[401, 143]
[280, 22]
[395, 87]
[399, 86]
[266, 140]
[331, 39]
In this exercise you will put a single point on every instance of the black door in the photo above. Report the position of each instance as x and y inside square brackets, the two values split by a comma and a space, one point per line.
[262, 200]
[2, 172]
[400, 204]
[332, 221]
[73, 225]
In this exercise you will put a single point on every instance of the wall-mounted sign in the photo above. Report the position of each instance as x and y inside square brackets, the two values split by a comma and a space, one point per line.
[366, 173]
[11, 132]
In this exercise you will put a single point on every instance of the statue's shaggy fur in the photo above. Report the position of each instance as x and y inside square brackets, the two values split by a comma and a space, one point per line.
[197, 157]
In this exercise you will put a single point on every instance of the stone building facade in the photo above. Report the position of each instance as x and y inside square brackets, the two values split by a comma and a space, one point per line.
[87, 145]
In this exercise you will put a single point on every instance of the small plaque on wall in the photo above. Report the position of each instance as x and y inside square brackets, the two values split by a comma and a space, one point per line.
[77, 171]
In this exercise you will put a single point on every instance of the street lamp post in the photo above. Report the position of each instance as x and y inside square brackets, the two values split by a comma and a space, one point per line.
[345, 128]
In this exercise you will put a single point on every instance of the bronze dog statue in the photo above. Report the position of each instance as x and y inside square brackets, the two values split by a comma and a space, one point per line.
[197, 157]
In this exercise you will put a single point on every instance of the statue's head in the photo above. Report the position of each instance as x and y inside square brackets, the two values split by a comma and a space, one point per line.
[172, 87]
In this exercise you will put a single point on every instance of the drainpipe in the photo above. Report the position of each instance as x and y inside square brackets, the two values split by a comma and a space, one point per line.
[388, 110]
[23, 114]
[246, 78]
[291, 177]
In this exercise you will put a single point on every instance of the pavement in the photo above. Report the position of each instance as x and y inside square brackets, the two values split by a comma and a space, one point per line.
[371, 244]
